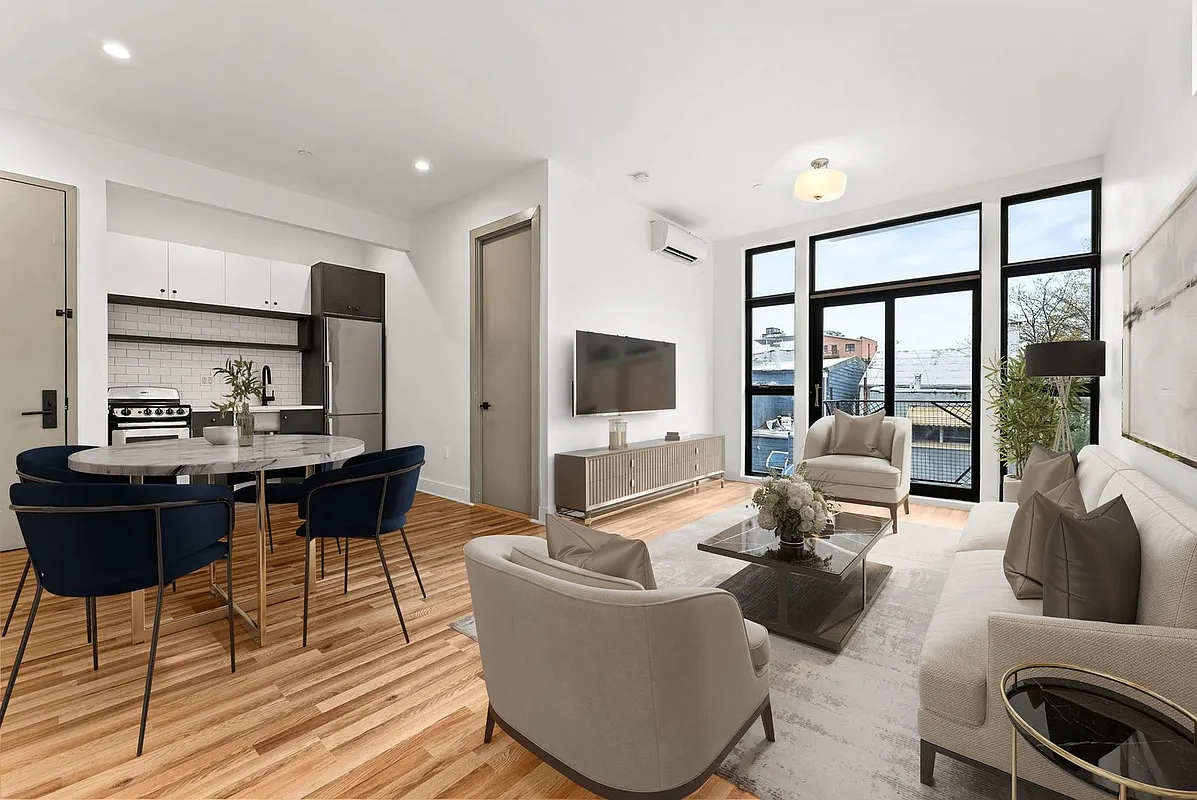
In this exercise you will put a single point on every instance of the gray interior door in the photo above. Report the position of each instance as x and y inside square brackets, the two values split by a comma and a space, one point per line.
[33, 340]
[355, 363]
[507, 317]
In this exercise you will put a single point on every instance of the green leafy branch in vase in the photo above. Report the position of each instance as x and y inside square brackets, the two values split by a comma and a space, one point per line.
[242, 384]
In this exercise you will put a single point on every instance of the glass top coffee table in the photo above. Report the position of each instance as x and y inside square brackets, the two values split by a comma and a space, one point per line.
[817, 594]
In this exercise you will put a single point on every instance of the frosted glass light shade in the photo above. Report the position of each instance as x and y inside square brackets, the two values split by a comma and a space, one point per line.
[820, 183]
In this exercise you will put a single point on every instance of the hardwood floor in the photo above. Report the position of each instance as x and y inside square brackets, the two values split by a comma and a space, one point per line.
[359, 713]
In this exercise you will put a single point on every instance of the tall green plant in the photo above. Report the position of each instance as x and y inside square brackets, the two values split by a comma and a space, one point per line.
[1024, 411]
[243, 383]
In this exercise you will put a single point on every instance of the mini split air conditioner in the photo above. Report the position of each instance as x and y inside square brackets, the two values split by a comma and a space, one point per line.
[670, 240]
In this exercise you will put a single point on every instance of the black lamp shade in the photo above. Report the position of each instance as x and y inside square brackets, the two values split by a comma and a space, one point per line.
[1085, 359]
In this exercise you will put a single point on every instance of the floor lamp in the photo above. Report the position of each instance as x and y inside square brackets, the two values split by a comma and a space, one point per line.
[1063, 363]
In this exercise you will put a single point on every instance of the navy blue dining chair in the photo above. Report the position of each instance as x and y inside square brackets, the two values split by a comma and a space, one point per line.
[89, 540]
[369, 495]
[49, 465]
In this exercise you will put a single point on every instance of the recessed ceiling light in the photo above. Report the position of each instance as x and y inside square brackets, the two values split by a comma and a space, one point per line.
[421, 165]
[304, 153]
[117, 50]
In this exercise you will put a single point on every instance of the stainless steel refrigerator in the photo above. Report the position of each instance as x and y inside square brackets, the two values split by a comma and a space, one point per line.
[353, 380]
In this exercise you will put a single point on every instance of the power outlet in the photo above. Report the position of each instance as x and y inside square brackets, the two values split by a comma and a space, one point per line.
[446, 453]
[205, 380]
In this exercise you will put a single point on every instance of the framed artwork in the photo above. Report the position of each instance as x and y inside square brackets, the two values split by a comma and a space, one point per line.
[1159, 359]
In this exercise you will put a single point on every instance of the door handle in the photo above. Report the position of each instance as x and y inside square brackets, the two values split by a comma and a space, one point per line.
[49, 410]
[819, 395]
[484, 406]
[328, 367]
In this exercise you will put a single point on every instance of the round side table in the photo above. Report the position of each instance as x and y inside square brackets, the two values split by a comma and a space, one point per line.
[1104, 730]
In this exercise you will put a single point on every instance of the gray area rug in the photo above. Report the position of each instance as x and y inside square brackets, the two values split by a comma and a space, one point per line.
[846, 724]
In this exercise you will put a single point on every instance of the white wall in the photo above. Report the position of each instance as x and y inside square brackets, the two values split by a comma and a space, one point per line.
[158, 216]
[1151, 158]
[428, 335]
[729, 294]
[51, 152]
[603, 277]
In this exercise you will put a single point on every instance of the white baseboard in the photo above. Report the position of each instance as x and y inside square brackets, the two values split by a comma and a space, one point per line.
[458, 494]
[964, 505]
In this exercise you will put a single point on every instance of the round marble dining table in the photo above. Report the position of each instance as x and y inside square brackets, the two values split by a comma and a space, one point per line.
[198, 457]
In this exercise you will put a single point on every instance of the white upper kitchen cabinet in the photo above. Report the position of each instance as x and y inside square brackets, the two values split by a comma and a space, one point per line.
[196, 274]
[137, 266]
[290, 287]
[247, 281]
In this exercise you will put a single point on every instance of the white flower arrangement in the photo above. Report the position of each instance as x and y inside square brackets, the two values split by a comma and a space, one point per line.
[793, 507]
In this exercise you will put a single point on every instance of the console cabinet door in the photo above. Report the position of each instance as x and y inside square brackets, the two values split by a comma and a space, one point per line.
[137, 266]
[196, 274]
[247, 281]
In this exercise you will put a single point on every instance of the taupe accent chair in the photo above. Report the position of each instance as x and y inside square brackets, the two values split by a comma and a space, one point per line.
[631, 693]
[867, 480]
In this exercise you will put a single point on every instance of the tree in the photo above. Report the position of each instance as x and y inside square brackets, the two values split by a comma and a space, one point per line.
[1050, 308]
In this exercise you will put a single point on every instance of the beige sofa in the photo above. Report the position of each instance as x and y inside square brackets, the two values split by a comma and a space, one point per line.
[629, 692]
[862, 479]
[980, 630]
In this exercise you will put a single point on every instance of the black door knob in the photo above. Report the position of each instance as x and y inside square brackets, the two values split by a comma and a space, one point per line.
[485, 406]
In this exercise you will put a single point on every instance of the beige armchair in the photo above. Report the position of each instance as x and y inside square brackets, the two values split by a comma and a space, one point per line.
[863, 479]
[628, 692]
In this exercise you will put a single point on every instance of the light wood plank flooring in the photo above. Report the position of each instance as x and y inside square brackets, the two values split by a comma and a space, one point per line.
[359, 713]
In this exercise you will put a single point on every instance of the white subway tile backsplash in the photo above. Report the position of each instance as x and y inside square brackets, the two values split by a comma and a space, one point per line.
[188, 367]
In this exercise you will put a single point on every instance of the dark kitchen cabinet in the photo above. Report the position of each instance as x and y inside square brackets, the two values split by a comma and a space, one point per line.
[307, 420]
[347, 292]
[208, 419]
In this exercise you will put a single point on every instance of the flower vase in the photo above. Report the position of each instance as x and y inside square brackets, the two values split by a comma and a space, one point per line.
[787, 529]
[245, 426]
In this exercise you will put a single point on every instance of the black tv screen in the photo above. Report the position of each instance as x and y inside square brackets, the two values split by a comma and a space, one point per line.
[623, 375]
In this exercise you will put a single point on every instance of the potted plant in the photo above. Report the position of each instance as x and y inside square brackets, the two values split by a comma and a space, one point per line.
[243, 384]
[1024, 414]
[793, 507]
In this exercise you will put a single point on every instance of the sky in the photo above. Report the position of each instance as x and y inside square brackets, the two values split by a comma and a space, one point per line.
[1053, 226]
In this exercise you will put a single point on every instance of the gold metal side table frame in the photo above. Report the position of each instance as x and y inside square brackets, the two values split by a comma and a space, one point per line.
[1017, 723]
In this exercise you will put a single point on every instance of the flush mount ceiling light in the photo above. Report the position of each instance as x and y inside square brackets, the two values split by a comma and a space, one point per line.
[303, 153]
[640, 177]
[820, 183]
[117, 50]
[421, 165]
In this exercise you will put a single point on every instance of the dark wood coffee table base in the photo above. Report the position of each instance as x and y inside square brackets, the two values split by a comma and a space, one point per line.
[819, 612]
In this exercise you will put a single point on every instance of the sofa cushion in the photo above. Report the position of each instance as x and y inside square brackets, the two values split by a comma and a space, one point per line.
[758, 646]
[1095, 467]
[856, 436]
[567, 572]
[1091, 566]
[1045, 473]
[955, 656]
[1168, 550]
[596, 551]
[1036, 515]
[853, 471]
[988, 527]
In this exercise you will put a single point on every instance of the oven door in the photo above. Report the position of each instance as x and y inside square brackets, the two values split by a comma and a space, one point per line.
[148, 433]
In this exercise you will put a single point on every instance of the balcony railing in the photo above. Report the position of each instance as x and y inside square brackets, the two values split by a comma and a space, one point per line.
[942, 449]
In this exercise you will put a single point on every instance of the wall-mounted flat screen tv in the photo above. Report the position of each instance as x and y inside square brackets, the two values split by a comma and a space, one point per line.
[623, 375]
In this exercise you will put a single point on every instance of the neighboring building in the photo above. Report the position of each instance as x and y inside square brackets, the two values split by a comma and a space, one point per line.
[835, 345]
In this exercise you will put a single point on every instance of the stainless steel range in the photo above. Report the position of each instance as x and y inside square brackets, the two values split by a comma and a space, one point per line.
[146, 414]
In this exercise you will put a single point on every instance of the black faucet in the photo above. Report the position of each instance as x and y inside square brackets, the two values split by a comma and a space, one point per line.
[266, 398]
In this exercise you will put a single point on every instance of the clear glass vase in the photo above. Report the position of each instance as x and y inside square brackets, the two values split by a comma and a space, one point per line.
[245, 426]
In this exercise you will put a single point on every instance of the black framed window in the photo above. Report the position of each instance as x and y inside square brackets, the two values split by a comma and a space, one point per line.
[1051, 278]
[769, 324]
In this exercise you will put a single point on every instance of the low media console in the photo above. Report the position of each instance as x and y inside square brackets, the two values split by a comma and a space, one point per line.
[601, 481]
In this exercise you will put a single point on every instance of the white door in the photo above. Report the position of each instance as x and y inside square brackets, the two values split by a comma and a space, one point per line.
[136, 266]
[246, 281]
[33, 339]
[196, 274]
[290, 287]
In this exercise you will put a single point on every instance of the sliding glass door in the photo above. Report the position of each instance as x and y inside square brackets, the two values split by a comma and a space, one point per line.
[912, 353]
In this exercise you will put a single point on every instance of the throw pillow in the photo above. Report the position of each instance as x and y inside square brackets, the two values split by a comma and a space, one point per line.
[1041, 453]
[1023, 562]
[856, 436]
[599, 552]
[1091, 566]
[567, 572]
[1044, 473]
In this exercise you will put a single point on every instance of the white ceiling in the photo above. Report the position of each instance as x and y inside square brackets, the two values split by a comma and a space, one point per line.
[709, 96]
